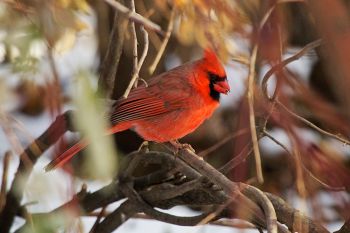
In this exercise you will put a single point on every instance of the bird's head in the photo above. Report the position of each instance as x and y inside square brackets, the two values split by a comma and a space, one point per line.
[215, 73]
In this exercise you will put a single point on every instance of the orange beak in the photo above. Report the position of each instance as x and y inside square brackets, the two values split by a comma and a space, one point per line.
[222, 87]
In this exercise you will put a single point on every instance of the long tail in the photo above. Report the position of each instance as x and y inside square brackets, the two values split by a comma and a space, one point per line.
[67, 155]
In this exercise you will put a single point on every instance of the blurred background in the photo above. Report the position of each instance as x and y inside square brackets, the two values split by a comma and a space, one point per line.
[52, 54]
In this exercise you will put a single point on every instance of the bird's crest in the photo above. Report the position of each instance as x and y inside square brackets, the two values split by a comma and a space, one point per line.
[213, 63]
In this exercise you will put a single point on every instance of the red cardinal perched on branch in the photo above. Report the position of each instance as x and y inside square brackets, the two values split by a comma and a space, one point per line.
[172, 105]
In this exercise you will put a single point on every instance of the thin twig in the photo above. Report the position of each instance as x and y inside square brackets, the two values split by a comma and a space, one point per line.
[56, 93]
[222, 142]
[303, 165]
[98, 219]
[134, 39]
[164, 43]
[250, 95]
[300, 183]
[312, 125]
[215, 213]
[241, 59]
[278, 67]
[137, 18]
[140, 63]
[236, 160]
[5, 122]
[252, 124]
[5, 167]
[272, 8]
[276, 141]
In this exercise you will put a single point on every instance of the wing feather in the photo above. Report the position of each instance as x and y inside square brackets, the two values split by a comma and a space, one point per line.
[164, 94]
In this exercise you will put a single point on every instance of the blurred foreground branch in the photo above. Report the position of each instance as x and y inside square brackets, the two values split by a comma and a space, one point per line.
[27, 160]
[182, 180]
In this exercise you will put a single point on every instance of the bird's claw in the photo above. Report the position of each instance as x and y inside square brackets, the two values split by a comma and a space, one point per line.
[184, 146]
[187, 146]
[144, 147]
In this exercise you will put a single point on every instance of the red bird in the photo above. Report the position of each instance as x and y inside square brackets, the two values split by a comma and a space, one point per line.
[172, 105]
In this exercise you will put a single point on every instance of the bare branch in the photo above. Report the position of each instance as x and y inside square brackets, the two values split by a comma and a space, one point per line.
[237, 159]
[164, 43]
[134, 40]
[140, 63]
[222, 142]
[218, 178]
[284, 63]
[286, 214]
[251, 90]
[125, 211]
[312, 125]
[241, 59]
[137, 18]
[269, 211]
[166, 193]
[305, 168]
[110, 63]
[98, 219]
[250, 96]
[55, 100]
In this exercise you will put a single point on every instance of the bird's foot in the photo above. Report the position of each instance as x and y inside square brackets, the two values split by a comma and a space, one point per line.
[144, 146]
[180, 146]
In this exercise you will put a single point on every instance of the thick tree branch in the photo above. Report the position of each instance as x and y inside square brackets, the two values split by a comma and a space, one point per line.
[297, 221]
[125, 211]
[165, 188]
[106, 82]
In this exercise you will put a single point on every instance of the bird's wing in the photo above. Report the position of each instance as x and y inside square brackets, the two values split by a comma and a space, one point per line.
[164, 94]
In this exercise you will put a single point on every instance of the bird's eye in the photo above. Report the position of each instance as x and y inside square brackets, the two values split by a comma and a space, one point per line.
[215, 78]
[212, 77]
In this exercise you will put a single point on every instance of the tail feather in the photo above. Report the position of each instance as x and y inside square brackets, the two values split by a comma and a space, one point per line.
[67, 155]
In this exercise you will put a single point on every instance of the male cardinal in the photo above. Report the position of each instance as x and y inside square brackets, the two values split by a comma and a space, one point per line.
[172, 105]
